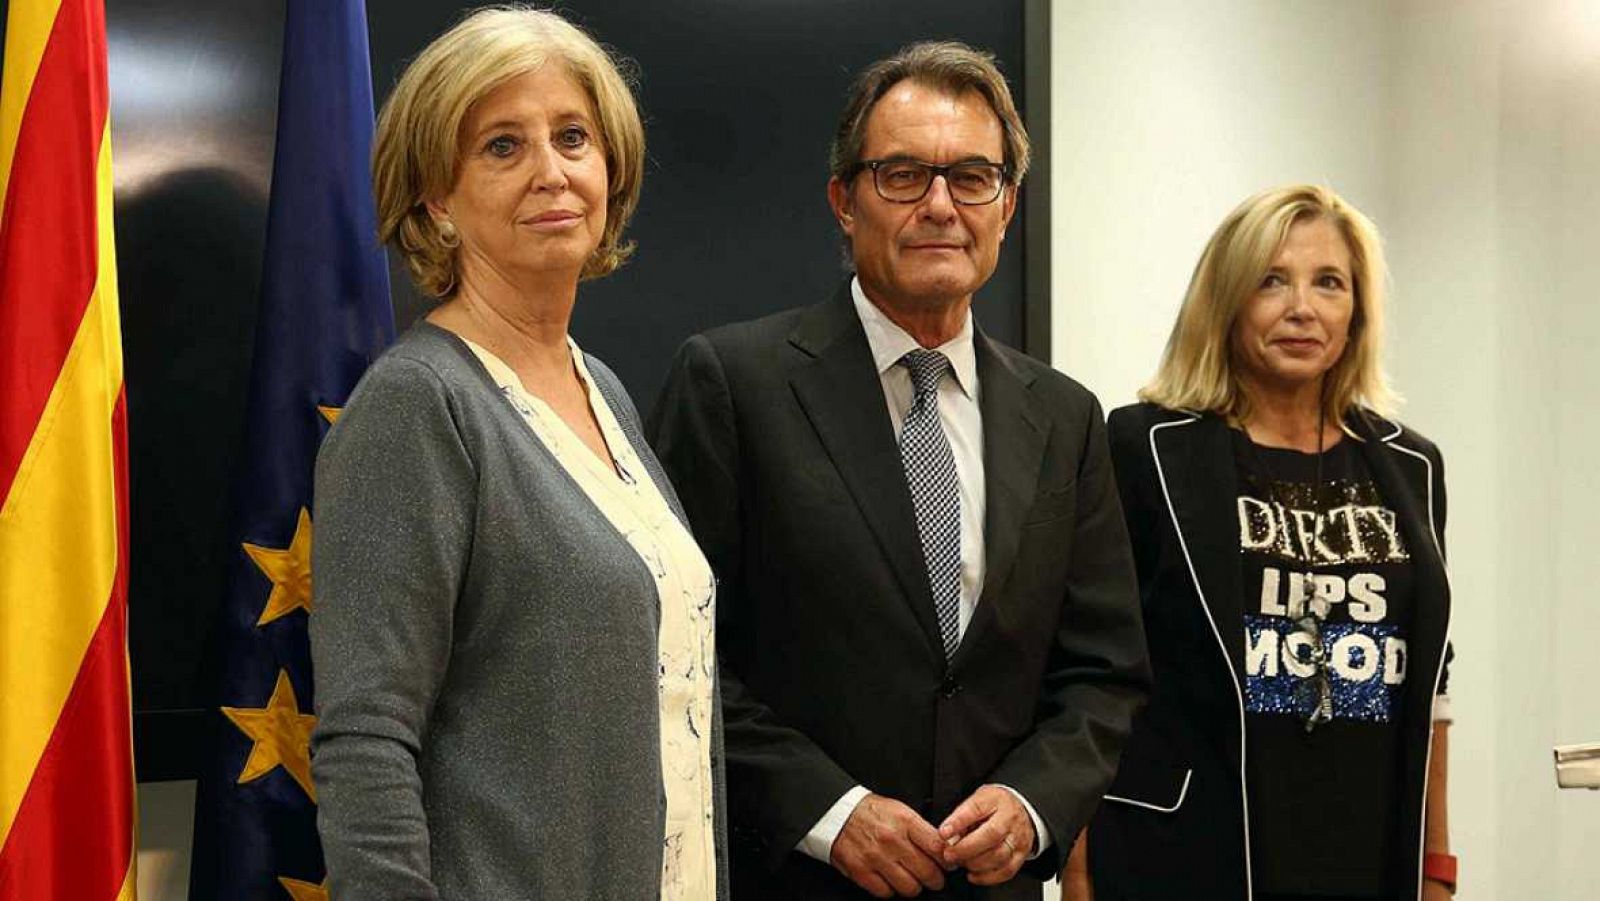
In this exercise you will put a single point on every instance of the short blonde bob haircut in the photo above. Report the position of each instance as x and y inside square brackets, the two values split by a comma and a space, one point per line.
[1196, 370]
[417, 152]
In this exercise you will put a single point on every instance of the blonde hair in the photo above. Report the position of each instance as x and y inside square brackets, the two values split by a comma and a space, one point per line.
[417, 151]
[1196, 371]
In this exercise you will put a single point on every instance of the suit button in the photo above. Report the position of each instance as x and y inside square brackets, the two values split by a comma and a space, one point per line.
[949, 688]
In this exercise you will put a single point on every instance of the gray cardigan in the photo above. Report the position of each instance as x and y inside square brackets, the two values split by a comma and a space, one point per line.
[485, 651]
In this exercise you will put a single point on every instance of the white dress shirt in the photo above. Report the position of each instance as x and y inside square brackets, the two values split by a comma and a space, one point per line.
[958, 414]
[962, 421]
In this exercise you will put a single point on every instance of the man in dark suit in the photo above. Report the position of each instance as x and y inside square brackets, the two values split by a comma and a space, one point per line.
[929, 637]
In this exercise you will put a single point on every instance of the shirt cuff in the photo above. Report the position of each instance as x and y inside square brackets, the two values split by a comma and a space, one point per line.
[1441, 709]
[818, 843]
[1041, 832]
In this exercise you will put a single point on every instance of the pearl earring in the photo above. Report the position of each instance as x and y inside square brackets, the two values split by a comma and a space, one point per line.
[448, 235]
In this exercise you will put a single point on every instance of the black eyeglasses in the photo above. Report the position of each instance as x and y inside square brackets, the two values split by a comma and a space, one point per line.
[907, 181]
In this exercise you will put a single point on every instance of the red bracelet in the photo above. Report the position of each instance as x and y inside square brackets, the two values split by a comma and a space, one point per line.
[1441, 868]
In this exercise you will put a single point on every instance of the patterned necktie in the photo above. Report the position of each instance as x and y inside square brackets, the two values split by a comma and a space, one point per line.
[931, 474]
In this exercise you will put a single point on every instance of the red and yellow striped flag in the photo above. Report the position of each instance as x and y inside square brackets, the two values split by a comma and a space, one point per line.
[66, 757]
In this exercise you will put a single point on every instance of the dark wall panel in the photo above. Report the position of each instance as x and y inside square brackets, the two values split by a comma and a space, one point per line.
[740, 99]
[193, 104]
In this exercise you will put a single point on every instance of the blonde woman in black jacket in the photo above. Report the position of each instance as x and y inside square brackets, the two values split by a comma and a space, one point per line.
[1289, 543]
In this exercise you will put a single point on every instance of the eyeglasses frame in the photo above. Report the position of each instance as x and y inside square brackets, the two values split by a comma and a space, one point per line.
[934, 171]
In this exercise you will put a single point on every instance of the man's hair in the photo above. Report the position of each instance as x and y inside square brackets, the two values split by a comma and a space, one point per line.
[1197, 371]
[950, 67]
[417, 154]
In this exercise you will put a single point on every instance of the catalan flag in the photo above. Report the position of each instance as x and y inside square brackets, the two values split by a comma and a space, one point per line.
[66, 747]
[324, 315]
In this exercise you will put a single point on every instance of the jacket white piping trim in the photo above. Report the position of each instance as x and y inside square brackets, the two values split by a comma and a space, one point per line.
[1398, 428]
[1238, 693]
[1427, 756]
[1182, 793]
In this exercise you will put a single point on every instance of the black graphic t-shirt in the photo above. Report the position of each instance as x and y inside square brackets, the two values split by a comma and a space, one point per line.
[1322, 803]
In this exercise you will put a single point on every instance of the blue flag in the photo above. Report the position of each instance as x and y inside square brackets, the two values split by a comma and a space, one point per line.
[324, 315]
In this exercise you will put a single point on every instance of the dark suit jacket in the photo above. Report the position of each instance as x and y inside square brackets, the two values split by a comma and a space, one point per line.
[777, 436]
[1174, 824]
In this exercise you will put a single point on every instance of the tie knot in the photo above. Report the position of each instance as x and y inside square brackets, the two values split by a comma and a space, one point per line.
[927, 367]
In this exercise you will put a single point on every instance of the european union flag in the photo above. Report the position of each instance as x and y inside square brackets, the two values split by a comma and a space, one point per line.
[324, 315]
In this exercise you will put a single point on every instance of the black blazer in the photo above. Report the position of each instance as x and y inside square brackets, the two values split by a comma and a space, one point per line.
[1174, 824]
[776, 434]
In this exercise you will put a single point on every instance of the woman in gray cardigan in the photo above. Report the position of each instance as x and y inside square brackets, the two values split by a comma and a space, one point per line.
[516, 683]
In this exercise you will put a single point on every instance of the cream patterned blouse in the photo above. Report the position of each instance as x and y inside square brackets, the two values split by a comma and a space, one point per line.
[628, 497]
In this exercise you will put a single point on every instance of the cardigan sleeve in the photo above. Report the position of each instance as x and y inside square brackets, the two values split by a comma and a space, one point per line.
[395, 495]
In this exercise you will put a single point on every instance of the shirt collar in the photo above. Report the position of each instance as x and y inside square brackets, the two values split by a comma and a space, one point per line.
[506, 377]
[889, 342]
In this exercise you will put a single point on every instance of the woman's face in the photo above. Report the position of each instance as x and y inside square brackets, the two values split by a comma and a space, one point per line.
[530, 192]
[1295, 326]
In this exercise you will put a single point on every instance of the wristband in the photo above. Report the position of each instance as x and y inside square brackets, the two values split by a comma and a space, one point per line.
[1441, 868]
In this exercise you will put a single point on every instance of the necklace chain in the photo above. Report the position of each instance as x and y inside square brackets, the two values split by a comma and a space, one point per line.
[1303, 610]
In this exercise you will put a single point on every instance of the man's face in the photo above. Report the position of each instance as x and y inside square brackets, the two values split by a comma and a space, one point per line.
[933, 252]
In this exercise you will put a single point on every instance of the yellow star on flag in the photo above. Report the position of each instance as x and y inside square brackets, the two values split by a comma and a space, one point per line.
[289, 569]
[304, 891]
[282, 736]
[330, 413]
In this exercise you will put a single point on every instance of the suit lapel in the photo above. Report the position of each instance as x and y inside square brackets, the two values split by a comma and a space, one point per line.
[1014, 438]
[1194, 460]
[842, 396]
[1404, 481]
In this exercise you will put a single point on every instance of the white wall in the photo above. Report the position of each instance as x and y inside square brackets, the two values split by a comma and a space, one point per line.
[1549, 236]
[1444, 255]
[1470, 131]
[1167, 114]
